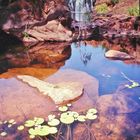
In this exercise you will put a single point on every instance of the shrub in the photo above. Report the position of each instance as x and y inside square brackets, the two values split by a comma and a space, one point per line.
[113, 2]
[133, 11]
[101, 9]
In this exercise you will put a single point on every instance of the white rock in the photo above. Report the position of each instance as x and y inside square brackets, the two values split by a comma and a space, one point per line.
[117, 55]
[59, 93]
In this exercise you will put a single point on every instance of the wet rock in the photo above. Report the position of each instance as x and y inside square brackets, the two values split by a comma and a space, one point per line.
[119, 104]
[117, 55]
[89, 84]
[59, 93]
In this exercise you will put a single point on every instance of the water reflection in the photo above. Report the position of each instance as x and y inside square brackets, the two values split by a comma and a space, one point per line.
[91, 59]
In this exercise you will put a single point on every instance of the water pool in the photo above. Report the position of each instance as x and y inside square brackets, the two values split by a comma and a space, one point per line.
[91, 60]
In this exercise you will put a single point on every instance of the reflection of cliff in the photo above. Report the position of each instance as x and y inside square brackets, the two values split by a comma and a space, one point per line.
[130, 46]
[48, 55]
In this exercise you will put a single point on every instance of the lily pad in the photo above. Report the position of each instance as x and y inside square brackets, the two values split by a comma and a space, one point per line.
[54, 122]
[38, 121]
[92, 111]
[20, 128]
[63, 108]
[53, 130]
[91, 116]
[29, 123]
[81, 118]
[67, 120]
[51, 117]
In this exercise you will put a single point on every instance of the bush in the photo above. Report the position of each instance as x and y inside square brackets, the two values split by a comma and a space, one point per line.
[113, 2]
[133, 11]
[101, 9]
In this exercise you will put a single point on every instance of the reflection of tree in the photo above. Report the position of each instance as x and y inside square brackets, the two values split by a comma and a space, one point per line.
[85, 56]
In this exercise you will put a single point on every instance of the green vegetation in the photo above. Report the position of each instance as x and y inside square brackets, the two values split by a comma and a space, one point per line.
[113, 2]
[101, 9]
[133, 11]
[55, 126]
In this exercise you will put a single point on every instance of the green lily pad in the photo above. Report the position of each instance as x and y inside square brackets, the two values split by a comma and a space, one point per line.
[67, 119]
[29, 123]
[38, 121]
[63, 108]
[81, 118]
[54, 122]
[32, 131]
[43, 130]
[20, 128]
[53, 130]
[51, 117]
[92, 111]
[91, 116]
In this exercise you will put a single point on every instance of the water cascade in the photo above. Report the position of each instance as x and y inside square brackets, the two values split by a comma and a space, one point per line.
[81, 14]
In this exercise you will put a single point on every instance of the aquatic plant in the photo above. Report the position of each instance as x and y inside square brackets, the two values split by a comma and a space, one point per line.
[132, 84]
[53, 126]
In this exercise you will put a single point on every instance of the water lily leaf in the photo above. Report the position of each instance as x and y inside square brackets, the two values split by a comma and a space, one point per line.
[53, 130]
[63, 108]
[54, 122]
[32, 136]
[91, 116]
[81, 118]
[29, 123]
[92, 111]
[67, 120]
[11, 121]
[20, 128]
[32, 131]
[43, 130]
[51, 117]
[39, 121]
[3, 134]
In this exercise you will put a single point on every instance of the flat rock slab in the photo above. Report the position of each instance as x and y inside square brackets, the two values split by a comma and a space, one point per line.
[117, 55]
[59, 93]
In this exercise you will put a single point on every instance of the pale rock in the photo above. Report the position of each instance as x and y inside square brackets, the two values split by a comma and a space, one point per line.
[117, 55]
[59, 93]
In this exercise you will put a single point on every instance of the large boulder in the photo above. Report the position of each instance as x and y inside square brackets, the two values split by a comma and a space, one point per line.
[52, 31]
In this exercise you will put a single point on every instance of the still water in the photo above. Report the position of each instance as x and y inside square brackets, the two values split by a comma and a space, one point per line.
[91, 60]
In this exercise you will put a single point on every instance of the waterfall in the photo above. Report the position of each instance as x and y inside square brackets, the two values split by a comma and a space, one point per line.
[80, 9]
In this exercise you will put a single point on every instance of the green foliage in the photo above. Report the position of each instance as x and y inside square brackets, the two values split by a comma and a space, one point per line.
[101, 9]
[113, 2]
[133, 11]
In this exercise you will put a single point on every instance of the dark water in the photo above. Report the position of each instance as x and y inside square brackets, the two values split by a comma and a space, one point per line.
[91, 60]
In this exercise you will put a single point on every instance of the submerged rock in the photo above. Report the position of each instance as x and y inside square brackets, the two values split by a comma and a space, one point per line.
[19, 99]
[59, 93]
[117, 55]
